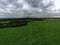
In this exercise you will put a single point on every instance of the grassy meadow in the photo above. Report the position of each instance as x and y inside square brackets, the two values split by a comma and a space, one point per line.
[35, 33]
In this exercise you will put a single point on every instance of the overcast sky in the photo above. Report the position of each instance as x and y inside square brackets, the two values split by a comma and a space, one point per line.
[29, 8]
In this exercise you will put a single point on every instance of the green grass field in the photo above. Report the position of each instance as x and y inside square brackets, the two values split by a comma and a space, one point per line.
[35, 33]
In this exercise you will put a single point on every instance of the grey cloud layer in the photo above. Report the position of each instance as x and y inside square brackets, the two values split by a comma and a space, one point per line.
[28, 9]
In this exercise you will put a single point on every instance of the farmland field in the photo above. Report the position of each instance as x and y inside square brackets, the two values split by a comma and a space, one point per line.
[35, 33]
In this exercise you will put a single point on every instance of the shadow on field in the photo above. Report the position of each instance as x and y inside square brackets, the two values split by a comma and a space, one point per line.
[14, 24]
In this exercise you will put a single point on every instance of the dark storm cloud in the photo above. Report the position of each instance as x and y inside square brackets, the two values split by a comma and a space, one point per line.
[33, 3]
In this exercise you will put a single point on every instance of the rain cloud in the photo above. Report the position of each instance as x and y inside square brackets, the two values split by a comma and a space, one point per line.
[29, 8]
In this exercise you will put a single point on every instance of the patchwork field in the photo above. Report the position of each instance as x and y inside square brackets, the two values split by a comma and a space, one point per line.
[35, 33]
